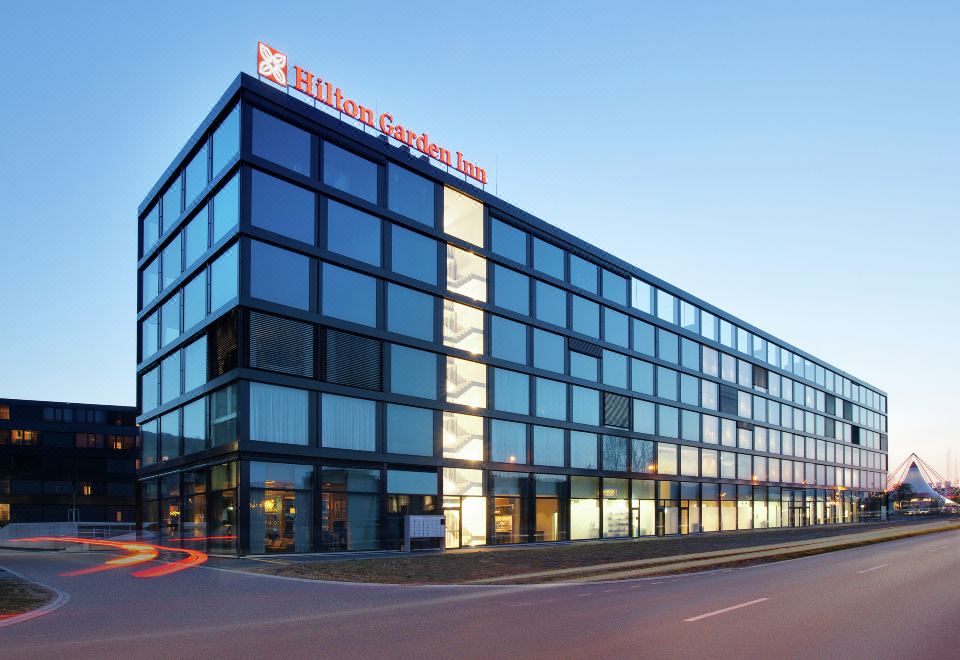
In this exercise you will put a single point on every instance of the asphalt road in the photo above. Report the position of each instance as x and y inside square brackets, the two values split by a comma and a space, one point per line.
[896, 599]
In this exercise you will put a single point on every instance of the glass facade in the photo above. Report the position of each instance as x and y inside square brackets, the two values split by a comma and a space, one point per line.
[411, 347]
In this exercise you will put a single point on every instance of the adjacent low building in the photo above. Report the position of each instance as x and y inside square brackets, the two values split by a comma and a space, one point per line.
[334, 334]
[63, 462]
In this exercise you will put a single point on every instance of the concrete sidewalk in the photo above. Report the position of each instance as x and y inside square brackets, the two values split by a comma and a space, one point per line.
[704, 560]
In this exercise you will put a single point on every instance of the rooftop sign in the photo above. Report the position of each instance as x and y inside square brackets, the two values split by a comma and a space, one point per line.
[273, 65]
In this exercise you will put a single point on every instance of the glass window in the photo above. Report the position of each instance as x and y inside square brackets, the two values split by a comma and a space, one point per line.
[548, 446]
[615, 327]
[551, 304]
[614, 369]
[708, 325]
[195, 300]
[223, 415]
[642, 376]
[410, 312]
[411, 482]
[223, 278]
[149, 384]
[463, 217]
[466, 383]
[195, 426]
[666, 306]
[349, 295]
[511, 290]
[171, 259]
[348, 423]
[414, 255]
[728, 368]
[196, 175]
[466, 273]
[614, 453]
[195, 364]
[583, 450]
[643, 338]
[689, 461]
[353, 233]
[226, 209]
[711, 360]
[586, 405]
[171, 204]
[226, 140]
[710, 427]
[585, 316]
[728, 465]
[170, 435]
[583, 274]
[643, 459]
[413, 372]
[508, 340]
[709, 393]
[195, 238]
[690, 425]
[689, 389]
[282, 207]
[151, 228]
[667, 422]
[280, 142]
[548, 351]
[170, 377]
[279, 275]
[410, 194]
[644, 420]
[409, 430]
[689, 317]
[551, 399]
[170, 320]
[462, 436]
[508, 442]
[666, 383]
[614, 287]
[548, 259]
[150, 335]
[708, 463]
[584, 366]
[278, 414]
[511, 391]
[349, 172]
[641, 296]
[666, 458]
[508, 241]
[668, 346]
[462, 327]
[690, 354]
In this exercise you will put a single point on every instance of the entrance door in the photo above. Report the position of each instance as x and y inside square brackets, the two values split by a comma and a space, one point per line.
[452, 526]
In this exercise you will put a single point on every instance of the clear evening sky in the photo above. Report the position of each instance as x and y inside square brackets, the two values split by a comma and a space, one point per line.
[795, 164]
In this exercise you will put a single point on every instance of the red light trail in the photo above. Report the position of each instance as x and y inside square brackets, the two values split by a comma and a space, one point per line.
[136, 553]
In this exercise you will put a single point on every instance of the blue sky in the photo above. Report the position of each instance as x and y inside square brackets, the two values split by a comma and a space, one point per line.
[793, 163]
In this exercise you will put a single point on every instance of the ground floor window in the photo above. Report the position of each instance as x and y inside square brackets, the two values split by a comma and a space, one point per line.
[349, 509]
[281, 507]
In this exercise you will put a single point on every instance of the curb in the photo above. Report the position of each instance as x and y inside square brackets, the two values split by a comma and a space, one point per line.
[59, 601]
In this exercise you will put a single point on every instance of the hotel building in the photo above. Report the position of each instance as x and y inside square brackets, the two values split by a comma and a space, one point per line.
[334, 333]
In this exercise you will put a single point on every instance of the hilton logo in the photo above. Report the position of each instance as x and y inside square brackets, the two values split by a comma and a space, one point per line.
[271, 64]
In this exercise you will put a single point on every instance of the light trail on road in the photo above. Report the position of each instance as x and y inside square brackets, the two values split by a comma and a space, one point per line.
[137, 553]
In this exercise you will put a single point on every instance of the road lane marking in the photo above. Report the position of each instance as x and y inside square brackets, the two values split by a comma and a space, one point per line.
[867, 570]
[608, 591]
[725, 609]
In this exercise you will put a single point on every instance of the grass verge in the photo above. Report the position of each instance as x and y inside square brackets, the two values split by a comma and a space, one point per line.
[19, 596]
[466, 567]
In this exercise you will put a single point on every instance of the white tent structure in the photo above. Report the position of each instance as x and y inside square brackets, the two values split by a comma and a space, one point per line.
[918, 475]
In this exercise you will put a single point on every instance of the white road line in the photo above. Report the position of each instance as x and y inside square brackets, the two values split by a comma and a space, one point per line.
[608, 591]
[725, 609]
[867, 570]
[582, 595]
